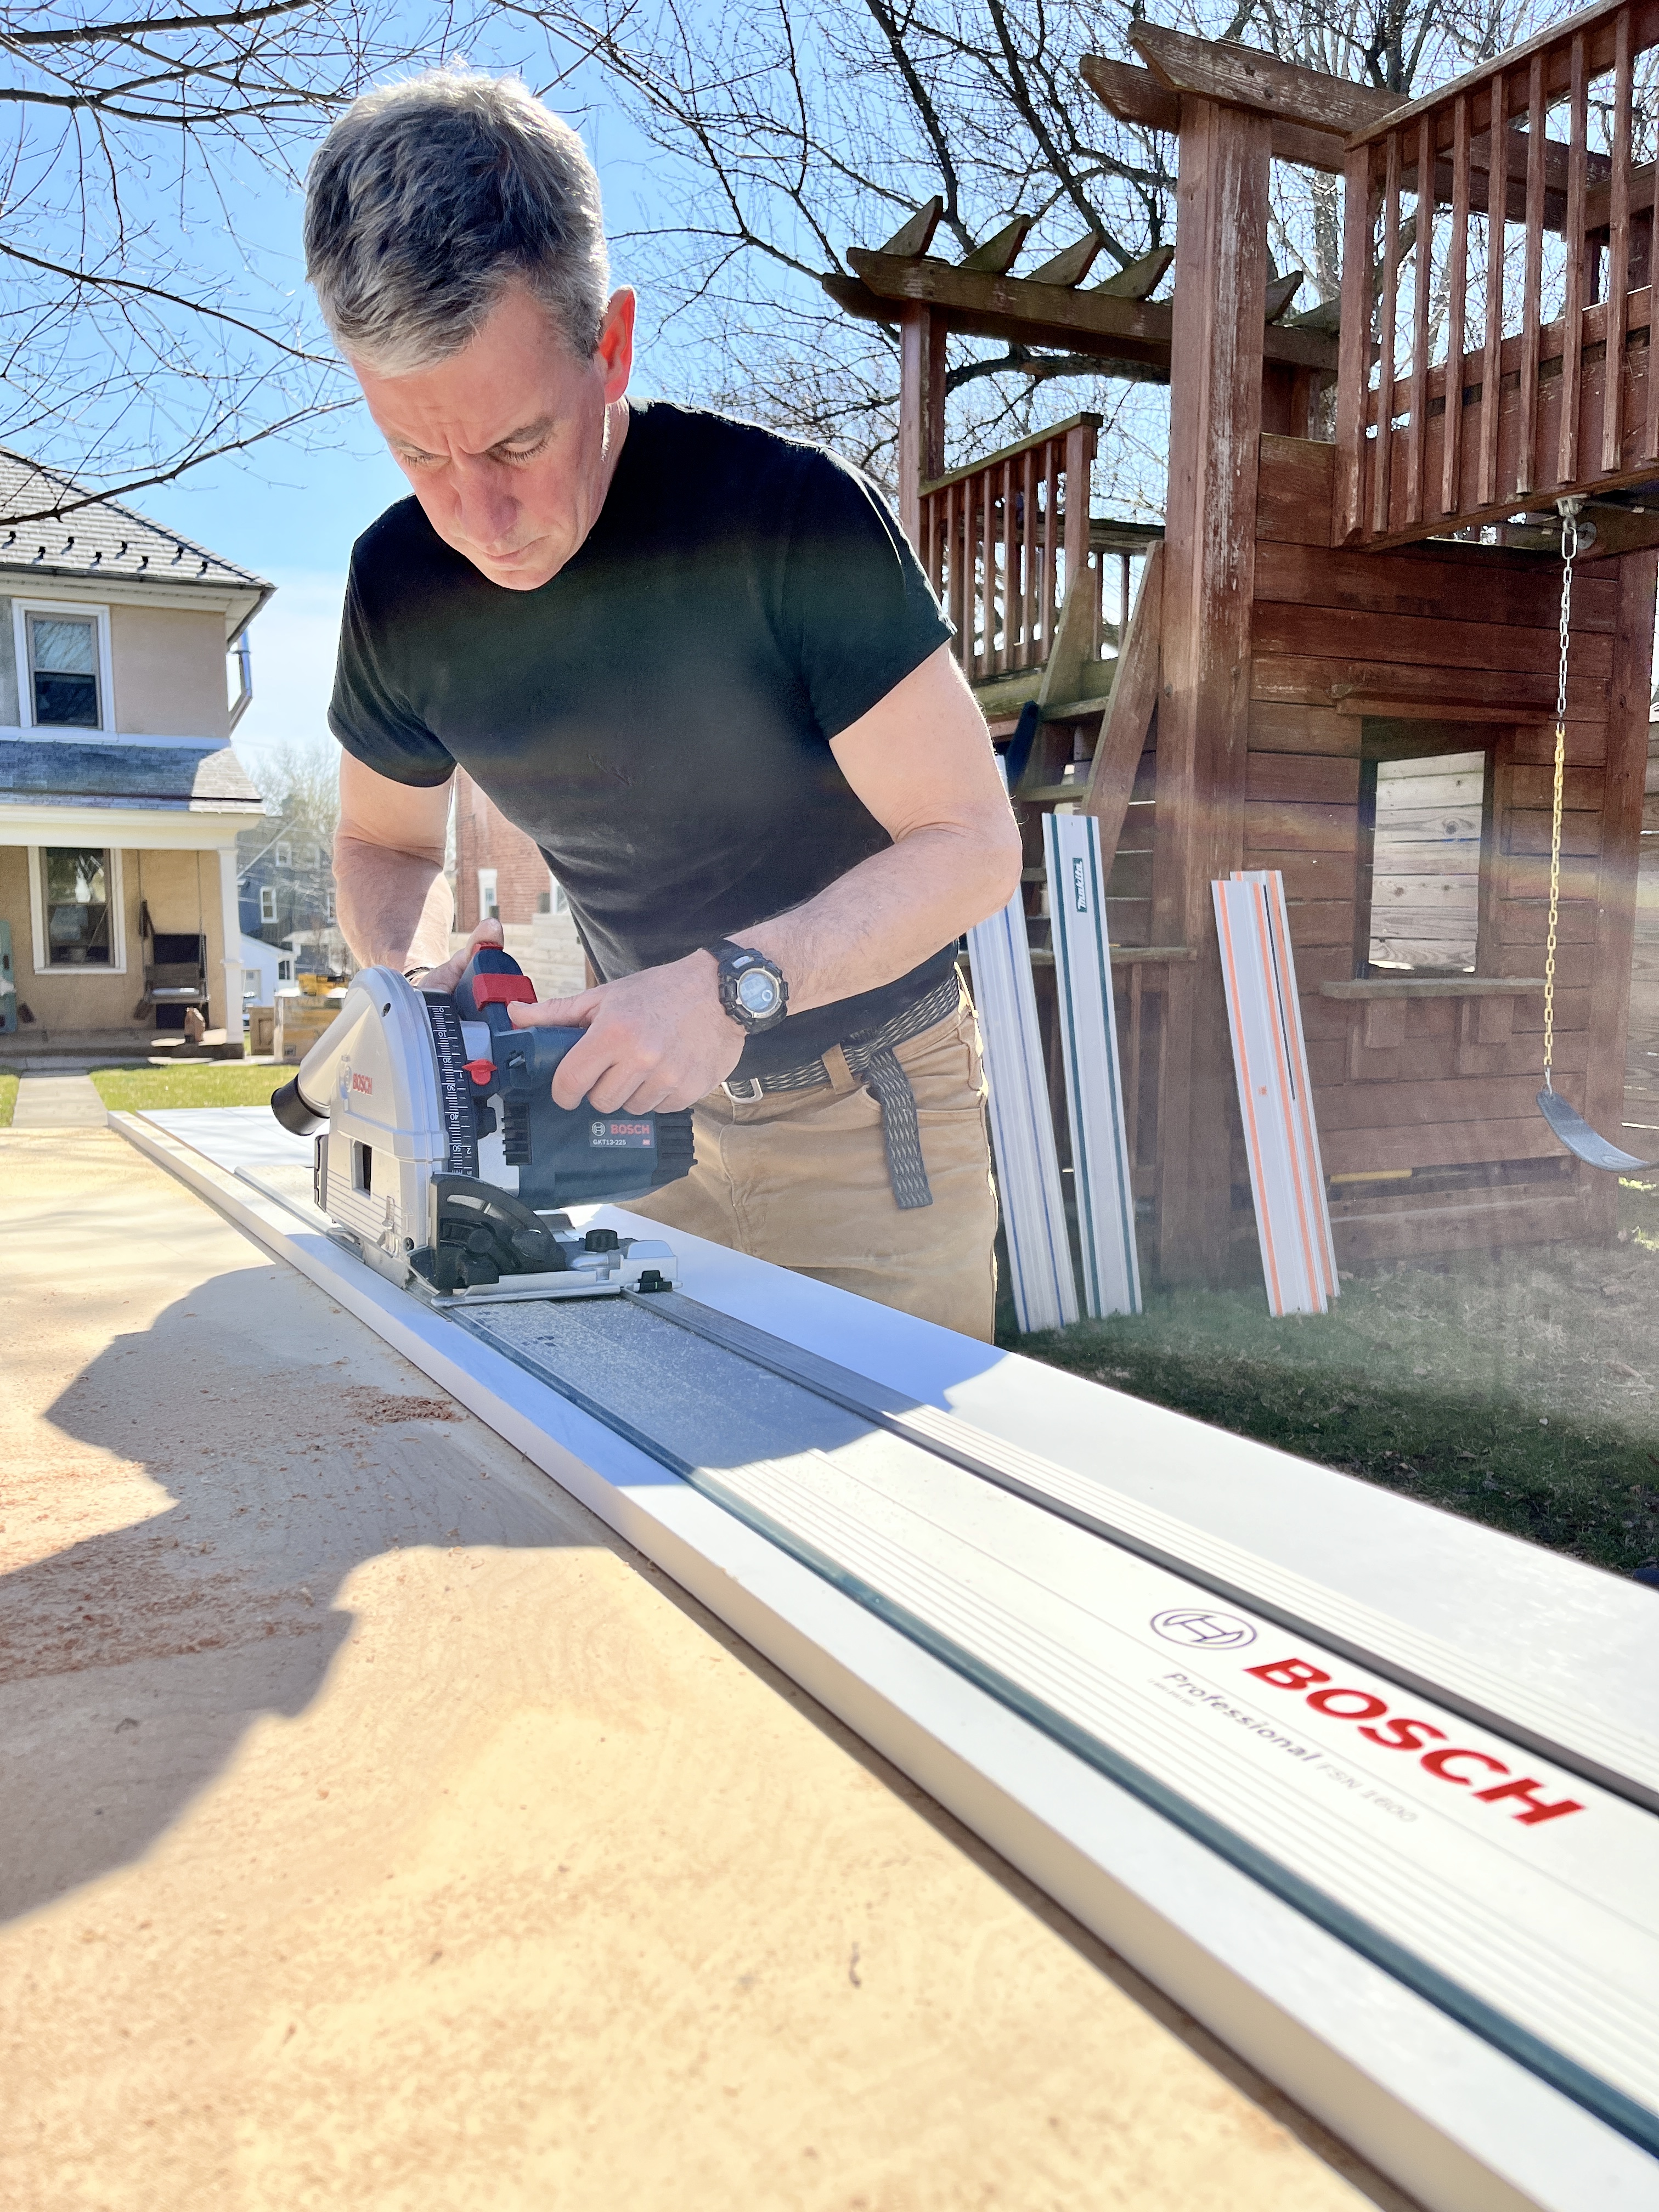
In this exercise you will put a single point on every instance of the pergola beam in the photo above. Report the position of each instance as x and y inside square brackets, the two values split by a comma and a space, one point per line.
[1135, 95]
[1026, 312]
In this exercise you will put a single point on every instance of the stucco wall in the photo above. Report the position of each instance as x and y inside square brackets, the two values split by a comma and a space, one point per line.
[65, 1000]
[170, 679]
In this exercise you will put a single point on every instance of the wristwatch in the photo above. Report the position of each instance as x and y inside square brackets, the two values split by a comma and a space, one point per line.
[751, 987]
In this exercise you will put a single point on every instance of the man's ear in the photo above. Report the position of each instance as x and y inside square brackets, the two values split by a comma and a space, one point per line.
[614, 351]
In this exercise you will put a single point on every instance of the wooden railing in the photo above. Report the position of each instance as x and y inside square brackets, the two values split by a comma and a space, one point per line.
[1495, 358]
[1001, 539]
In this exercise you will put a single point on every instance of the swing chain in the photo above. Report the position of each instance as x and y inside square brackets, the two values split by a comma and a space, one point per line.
[1568, 510]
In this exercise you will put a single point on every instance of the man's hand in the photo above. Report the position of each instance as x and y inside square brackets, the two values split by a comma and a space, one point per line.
[448, 974]
[656, 1042]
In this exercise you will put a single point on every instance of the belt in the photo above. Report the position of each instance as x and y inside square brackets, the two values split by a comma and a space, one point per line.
[870, 1055]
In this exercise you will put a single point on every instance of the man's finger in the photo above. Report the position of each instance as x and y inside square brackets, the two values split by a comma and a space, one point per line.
[447, 973]
[587, 1068]
[573, 1013]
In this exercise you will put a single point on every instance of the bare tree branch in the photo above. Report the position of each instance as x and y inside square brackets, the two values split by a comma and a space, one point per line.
[142, 329]
[796, 128]
[84, 35]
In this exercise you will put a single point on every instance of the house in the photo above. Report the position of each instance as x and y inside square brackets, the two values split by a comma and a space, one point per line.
[1341, 661]
[285, 880]
[120, 798]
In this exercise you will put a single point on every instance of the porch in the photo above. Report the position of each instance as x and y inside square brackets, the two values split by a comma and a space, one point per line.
[117, 896]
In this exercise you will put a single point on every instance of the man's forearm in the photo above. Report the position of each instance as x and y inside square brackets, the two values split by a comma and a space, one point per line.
[886, 915]
[395, 907]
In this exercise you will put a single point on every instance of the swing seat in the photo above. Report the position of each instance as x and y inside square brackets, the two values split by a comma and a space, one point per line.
[1577, 1134]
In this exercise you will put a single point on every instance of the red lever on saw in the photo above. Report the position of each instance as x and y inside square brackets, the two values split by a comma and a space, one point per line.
[502, 990]
[480, 1071]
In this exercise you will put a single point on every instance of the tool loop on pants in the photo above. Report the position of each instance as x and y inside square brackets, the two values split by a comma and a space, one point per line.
[871, 1055]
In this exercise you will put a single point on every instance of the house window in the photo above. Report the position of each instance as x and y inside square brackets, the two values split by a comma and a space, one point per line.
[63, 665]
[285, 855]
[1424, 815]
[285, 971]
[490, 906]
[268, 903]
[75, 906]
[313, 858]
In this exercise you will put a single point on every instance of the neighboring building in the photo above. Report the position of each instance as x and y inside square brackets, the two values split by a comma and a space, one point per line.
[266, 969]
[120, 800]
[286, 892]
[499, 874]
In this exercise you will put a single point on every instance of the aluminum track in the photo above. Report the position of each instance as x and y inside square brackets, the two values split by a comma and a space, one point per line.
[1541, 1938]
[1470, 1999]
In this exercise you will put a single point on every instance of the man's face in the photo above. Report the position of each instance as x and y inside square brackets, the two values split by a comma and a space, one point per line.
[510, 444]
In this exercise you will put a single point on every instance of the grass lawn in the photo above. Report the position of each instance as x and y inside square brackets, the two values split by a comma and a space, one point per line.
[1515, 1388]
[7, 1099]
[202, 1083]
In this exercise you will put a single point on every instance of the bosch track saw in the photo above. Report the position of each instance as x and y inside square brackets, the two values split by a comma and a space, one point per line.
[441, 1154]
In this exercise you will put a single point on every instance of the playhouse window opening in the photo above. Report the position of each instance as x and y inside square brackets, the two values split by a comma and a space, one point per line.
[1420, 900]
[77, 887]
[63, 671]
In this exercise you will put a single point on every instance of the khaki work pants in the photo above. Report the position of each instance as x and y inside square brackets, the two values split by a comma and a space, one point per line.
[800, 1177]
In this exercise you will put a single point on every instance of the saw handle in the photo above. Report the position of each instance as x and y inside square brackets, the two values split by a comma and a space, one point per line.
[526, 1059]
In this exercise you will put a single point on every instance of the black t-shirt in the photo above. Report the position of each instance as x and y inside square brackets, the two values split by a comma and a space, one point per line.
[657, 715]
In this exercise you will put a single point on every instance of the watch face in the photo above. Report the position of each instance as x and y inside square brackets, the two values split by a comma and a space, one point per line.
[757, 993]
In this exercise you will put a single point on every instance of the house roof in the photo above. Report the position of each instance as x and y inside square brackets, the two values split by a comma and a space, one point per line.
[102, 540]
[178, 778]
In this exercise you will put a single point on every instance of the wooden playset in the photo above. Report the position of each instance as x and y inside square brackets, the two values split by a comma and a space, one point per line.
[1341, 659]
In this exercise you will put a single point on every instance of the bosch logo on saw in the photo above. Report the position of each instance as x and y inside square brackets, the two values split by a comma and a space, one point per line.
[614, 1135]
[362, 1083]
[1395, 1732]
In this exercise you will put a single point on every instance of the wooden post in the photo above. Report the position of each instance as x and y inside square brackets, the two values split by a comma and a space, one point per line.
[1354, 347]
[921, 411]
[1615, 882]
[1124, 725]
[1209, 580]
[1080, 457]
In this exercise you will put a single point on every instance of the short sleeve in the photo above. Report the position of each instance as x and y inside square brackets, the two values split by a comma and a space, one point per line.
[367, 714]
[857, 608]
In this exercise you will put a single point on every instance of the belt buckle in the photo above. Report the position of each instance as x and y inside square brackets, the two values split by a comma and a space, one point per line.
[743, 1091]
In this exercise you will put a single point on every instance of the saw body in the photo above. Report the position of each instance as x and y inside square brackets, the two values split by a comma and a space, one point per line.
[441, 1151]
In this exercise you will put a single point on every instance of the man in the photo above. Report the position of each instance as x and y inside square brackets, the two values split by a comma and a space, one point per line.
[699, 665]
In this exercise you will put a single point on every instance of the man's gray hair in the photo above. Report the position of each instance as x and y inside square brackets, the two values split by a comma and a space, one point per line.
[428, 200]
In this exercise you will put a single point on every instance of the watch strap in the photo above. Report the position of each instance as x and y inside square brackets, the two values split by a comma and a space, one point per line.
[732, 961]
